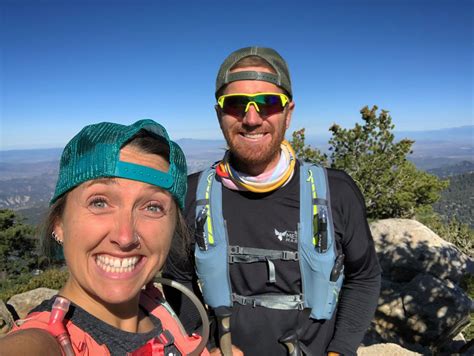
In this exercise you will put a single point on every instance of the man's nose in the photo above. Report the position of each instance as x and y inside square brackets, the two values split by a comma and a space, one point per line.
[252, 117]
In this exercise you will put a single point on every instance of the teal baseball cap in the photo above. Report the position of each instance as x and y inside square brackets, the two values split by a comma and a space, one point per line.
[95, 153]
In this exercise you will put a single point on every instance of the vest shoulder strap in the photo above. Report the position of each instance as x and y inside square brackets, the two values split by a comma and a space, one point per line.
[209, 206]
[315, 206]
[212, 265]
[321, 276]
[82, 342]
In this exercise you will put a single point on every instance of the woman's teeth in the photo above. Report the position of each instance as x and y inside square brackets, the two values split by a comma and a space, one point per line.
[116, 265]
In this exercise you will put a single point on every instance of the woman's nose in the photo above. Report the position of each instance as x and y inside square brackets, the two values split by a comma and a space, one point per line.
[125, 234]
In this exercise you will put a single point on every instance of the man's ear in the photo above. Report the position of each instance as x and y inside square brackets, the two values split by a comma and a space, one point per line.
[289, 113]
[218, 114]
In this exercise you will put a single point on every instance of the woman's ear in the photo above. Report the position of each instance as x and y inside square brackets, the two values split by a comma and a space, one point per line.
[58, 231]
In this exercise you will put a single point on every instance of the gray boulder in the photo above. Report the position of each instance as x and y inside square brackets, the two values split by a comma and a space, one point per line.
[421, 306]
[6, 319]
[406, 248]
[385, 349]
[426, 311]
[24, 302]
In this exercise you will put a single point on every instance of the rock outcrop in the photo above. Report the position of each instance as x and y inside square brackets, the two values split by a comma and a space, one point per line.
[421, 306]
[385, 350]
[6, 319]
[24, 302]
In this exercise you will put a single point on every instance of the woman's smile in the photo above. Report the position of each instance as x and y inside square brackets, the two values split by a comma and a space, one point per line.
[117, 265]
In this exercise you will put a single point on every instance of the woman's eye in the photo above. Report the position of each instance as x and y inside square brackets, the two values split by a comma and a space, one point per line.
[99, 203]
[154, 208]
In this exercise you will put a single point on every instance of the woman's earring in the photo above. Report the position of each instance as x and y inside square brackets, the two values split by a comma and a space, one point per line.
[56, 238]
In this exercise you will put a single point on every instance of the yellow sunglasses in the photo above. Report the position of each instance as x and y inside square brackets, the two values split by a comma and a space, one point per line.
[266, 104]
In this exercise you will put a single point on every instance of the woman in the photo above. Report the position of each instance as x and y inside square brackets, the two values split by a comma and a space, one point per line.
[114, 212]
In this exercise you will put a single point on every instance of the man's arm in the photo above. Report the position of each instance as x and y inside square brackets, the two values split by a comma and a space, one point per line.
[361, 288]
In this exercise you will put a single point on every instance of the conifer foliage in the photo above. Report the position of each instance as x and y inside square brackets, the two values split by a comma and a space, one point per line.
[18, 246]
[392, 186]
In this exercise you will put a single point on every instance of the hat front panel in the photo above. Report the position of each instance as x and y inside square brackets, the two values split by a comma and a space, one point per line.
[95, 152]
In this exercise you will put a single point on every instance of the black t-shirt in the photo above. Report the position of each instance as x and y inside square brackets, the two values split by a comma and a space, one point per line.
[270, 221]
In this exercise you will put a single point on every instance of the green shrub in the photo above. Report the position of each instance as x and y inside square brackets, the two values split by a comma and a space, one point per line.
[392, 186]
[459, 234]
[52, 278]
[18, 246]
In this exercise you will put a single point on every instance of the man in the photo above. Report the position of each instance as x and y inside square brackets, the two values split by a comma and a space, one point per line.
[280, 292]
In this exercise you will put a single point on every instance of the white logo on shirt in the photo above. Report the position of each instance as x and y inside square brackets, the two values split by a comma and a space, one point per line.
[286, 236]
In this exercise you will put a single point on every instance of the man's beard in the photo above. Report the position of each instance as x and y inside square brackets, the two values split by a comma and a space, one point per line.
[245, 155]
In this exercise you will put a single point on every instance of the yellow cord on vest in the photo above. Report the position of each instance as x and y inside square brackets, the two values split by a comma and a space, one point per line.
[210, 235]
[315, 207]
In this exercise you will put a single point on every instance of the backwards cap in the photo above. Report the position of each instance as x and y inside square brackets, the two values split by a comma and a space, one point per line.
[95, 153]
[281, 78]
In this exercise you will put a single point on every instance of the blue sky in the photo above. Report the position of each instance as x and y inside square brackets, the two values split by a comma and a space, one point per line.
[65, 64]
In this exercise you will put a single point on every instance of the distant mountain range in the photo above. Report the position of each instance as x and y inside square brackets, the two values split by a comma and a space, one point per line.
[28, 177]
[461, 134]
[453, 169]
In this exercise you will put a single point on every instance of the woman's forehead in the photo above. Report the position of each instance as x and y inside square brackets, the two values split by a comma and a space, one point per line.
[135, 155]
[118, 183]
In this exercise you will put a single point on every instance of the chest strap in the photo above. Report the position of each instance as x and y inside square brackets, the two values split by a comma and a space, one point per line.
[238, 254]
[273, 301]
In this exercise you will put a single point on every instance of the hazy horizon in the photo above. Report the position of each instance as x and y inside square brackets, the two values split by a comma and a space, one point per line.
[311, 139]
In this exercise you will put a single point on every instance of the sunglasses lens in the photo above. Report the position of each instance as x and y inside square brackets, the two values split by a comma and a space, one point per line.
[268, 104]
[235, 105]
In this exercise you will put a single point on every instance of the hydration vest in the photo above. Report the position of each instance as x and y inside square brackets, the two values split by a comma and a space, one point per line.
[151, 300]
[321, 264]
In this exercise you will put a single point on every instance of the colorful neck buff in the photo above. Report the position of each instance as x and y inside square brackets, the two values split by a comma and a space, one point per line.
[263, 183]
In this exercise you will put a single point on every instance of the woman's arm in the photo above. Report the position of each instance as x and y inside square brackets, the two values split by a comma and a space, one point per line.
[29, 342]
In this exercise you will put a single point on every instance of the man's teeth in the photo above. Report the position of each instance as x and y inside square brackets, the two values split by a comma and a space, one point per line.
[253, 135]
[116, 265]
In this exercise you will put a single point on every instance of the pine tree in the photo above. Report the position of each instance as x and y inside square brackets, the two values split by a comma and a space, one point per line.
[18, 246]
[392, 186]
